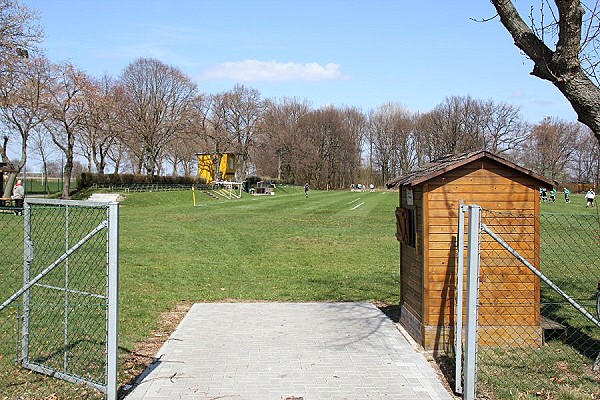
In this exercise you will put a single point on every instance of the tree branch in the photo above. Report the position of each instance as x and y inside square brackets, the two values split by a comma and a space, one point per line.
[525, 39]
[561, 67]
[569, 34]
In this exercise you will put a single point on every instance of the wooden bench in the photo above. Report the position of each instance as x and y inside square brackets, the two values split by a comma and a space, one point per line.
[6, 202]
[7, 205]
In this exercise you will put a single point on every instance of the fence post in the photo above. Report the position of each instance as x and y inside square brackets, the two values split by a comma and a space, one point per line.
[27, 258]
[113, 300]
[460, 270]
[472, 302]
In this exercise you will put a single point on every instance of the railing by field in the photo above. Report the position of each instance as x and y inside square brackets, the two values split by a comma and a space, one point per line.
[149, 187]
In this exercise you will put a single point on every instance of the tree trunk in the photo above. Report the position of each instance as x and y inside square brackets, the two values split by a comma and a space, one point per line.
[68, 169]
[45, 166]
[10, 182]
[118, 160]
[216, 159]
[562, 66]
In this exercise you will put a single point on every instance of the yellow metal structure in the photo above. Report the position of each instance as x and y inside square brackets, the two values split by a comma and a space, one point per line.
[206, 169]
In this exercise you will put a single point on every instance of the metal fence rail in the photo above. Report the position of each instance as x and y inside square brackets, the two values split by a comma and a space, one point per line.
[538, 333]
[147, 187]
[59, 301]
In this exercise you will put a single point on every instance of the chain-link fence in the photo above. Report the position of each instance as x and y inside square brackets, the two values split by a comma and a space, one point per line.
[11, 279]
[536, 340]
[56, 289]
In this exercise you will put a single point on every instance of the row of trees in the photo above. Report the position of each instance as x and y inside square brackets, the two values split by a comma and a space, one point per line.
[152, 119]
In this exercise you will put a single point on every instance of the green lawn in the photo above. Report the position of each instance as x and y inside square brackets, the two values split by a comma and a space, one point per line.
[333, 246]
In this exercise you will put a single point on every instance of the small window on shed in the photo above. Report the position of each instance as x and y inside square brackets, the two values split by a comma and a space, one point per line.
[406, 231]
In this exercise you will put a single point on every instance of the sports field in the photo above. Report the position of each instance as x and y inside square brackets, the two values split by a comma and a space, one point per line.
[331, 246]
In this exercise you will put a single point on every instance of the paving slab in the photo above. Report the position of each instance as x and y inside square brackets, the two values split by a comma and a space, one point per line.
[288, 351]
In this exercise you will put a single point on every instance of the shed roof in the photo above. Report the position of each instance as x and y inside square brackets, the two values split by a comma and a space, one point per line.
[448, 163]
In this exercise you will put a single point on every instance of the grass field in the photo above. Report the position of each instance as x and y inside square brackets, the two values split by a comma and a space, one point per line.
[333, 246]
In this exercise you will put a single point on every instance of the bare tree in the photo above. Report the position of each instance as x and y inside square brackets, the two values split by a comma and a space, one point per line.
[393, 144]
[549, 147]
[316, 129]
[503, 127]
[326, 141]
[158, 95]
[297, 144]
[279, 144]
[66, 112]
[19, 33]
[116, 156]
[452, 127]
[461, 124]
[557, 49]
[181, 149]
[42, 143]
[243, 112]
[101, 126]
[585, 158]
[356, 124]
[22, 91]
[54, 168]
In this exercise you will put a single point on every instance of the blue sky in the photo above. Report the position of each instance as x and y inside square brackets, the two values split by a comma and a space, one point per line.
[346, 53]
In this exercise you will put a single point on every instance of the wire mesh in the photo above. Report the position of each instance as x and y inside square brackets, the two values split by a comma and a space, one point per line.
[64, 315]
[11, 279]
[532, 343]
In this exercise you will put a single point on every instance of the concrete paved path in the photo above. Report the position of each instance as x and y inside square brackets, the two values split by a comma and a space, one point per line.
[288, 351]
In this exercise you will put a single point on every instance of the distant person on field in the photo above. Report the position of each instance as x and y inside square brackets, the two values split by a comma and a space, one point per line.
[306, 187]
[567, 194]
[371, 187]
[543, 195]
[18, 194]
[589, 198]
[553, 195]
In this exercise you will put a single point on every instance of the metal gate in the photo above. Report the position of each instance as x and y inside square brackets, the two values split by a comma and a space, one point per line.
[65, 310]
[529, 285]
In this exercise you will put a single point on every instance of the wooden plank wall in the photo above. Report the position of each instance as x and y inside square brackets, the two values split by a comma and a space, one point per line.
[510, 297]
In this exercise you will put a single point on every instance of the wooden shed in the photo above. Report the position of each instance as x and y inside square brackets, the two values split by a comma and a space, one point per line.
[427, 226]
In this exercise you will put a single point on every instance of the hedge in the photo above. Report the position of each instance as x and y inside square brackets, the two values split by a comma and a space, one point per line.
[88, 180]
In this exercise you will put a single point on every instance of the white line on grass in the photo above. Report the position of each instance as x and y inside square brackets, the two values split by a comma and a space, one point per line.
[354, 200]
[358, 205]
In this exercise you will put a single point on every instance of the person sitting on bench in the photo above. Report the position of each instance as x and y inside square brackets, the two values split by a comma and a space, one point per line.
[18, 195]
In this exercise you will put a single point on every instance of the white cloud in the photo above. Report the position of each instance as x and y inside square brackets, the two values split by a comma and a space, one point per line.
[272, 71]
[518, 94]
